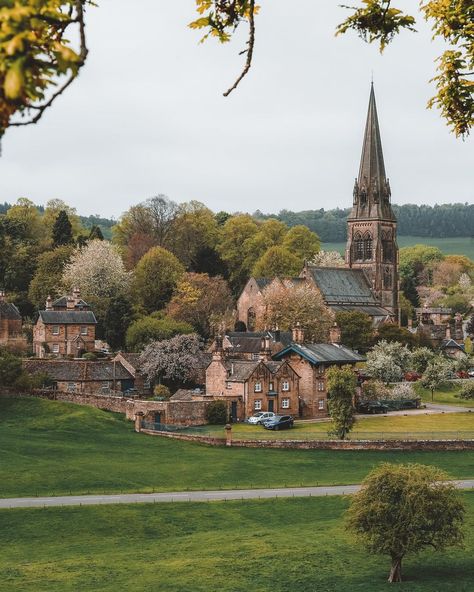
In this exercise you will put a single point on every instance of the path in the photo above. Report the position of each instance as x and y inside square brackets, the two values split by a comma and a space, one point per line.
[189, 496]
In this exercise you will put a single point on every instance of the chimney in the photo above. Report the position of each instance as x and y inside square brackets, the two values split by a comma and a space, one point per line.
[217, 354]
[265, 349]
[49, 303]
[298, 334]
[410, 322]
[335, 334]
[76, 294]
[70, 303]
[277, 335]
[448, 332]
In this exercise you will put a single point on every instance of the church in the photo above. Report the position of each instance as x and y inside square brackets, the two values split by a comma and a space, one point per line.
[369, 280]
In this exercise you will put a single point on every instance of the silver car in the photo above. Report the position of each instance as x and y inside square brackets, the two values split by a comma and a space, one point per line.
[261, 416]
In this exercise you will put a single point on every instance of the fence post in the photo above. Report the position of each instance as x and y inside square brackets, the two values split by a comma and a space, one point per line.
[228, 434]
[138, 421]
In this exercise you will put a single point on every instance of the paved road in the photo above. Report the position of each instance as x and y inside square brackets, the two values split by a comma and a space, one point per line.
[189, 496]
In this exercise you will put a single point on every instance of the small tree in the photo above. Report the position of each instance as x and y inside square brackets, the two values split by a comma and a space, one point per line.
[216, 413]
[117, 320]
[388, 361]
[420, 358]
[402, 509]
[10, 368]
[467, 392]
[356, 329]
[438, 371]
[62, 230]
[341, 384]
[154, 328]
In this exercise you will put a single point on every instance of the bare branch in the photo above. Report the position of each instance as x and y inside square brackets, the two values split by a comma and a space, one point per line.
[249, 50]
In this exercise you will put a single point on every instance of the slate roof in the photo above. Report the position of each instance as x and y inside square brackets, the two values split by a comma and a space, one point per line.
[77, 370]
[251, 342]
[372, 311]
[67, 317]
[263, 282]
[339, 285]
[447, 343]
[184, 395]
[322, 353]
[240, 370]
[62, 303]
[9, 311]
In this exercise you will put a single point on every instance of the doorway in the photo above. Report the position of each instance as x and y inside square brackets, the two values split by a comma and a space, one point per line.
[233, 411]
[271, 405]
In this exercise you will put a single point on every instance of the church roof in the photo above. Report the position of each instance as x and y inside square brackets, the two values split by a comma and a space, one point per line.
[339, 285]
[322, 353]
[372, 189]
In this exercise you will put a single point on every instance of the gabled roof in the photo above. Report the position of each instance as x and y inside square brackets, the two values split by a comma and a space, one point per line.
[67, 317]
[372, 311]
[78, 370]
[251, 341]
[242, 370]
[447, 343]
[322, 353]
[62, 303]
[339, 285]
[263, 282]
[9, 311]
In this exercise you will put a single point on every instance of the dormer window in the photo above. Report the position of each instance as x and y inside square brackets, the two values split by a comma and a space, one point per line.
[258, 387]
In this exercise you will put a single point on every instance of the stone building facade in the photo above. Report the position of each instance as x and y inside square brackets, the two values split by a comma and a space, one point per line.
[65, 328]
[11, 335]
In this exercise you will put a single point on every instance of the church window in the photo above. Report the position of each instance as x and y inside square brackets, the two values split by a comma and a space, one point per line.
[387, 278]
[251, 319]
[367, 246]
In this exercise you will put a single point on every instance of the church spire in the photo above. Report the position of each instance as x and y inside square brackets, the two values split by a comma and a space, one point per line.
[372, 189]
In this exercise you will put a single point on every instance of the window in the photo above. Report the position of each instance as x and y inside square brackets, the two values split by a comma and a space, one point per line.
[320, 386]
[71, 387]
[285, 385]
[258, 387]
[285, 403]
[257, 404]
[321, 404]
[270, 386]
[55, 348]
[228, 385]
[251, 319]
[321, 369]
[367, 247]
[83, 330]
[55, 330]
[255, 356]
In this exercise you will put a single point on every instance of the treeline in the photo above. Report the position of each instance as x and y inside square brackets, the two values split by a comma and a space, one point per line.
[439, 221]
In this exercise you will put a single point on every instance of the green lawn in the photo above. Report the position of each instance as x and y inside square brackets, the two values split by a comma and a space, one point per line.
[52, 448]
[297, 545]
[445, 395]
[449, 246]
[381, 426]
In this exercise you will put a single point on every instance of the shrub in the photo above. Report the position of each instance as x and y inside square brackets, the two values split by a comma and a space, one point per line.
[467, 392]
[89, 356]
[216, 413]
[161, 391]
[374, 390]
[404, 390]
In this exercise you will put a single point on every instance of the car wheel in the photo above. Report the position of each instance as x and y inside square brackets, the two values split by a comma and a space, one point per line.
[277, 428]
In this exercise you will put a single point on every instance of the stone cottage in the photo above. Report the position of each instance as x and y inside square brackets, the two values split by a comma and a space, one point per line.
[11, 335]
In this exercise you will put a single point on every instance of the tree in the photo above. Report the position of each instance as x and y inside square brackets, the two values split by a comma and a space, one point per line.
[356, 329]
[289, 303]
[47, 280]
[388, 361]
[302, 242]
[341, 386]
[10, 368]
[62, 230]
[155, 327]
[328, 259]
[200, 300]
[216, 413]
[402, 509]
[438, 371]
[96, 233]
[156, 276]
[52, 210]
[389, 332]
[467, 392]
[470, 326]
[117, 320]
[173, 360]
[277, 261]
[420, 358]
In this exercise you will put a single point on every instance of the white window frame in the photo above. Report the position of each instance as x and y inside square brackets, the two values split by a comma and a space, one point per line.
[55, 348]
[257, 404]
[321, 405]
[84, 330]
[258, 387]
[255, 356]
[228, 385]
[285, 403]
[285, 386]
[55, 330]
[71, 387]
[320, 387]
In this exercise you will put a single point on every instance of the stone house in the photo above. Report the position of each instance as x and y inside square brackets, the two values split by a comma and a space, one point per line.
[11, 335]
[311, 362]
[252, 385]
[81, 376]
[65, 328]
[437, 325]
[453, 349]
[131, 362]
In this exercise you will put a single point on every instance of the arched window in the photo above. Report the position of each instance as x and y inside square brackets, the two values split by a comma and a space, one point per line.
[358, 247]
[251, 319]
[367, 246]
[387, 247]
[387, 278]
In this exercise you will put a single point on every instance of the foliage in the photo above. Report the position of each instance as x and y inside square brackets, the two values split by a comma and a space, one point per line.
[420, 358]
[402, 390]
[117, 320]
[161, 391]
[172, 360]
[62, 230]
[96, 233]
[48, 275]
[356, 329]
[438, 370]
[374, 390]
[10, 368]
[36, 54]
[277, 261]
[51, 212]
[288, 304]
[153, 328]
[216, 413]
[388, 361]
[467, 391]
[458, 302]
[328, 259]
[341, 386]
[200, 300]
[303, 243]
[402, 509]
[390, 333]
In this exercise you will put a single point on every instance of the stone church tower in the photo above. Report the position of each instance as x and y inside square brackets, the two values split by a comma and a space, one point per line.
[372, 226]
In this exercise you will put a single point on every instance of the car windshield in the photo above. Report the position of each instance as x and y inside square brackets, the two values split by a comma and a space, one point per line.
[258, 414]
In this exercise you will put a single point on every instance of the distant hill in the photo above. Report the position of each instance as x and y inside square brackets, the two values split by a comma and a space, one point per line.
[439, 221]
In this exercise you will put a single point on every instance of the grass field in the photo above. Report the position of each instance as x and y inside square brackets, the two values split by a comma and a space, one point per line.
[52, 448]
[445, 395]
[449, 246]
[378, 426]
[283, 545]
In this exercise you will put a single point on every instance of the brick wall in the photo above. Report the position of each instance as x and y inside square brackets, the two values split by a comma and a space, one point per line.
[251, 297]
[44, 334]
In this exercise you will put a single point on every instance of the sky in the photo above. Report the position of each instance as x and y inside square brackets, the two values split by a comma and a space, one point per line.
[146, 116]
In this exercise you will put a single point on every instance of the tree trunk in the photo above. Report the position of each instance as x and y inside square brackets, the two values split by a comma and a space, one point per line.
[432, 395]
[396, 570]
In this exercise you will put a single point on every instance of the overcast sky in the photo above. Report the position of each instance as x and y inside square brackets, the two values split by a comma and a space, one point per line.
[147, 116]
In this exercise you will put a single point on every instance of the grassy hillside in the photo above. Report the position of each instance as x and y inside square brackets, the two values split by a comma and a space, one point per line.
[250, 546]
[449, 246]
[51, 448]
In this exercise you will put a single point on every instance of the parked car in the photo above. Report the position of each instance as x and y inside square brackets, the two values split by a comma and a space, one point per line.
[462, 374]
[279, 422]
[412, 376]
[471, 372]
[261, 416]
[372, 407]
